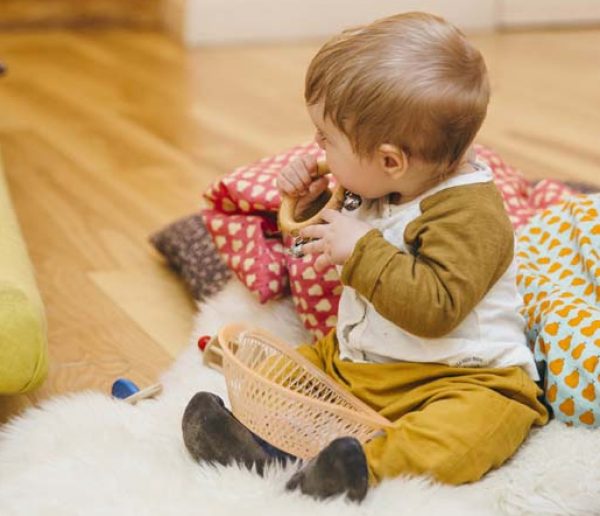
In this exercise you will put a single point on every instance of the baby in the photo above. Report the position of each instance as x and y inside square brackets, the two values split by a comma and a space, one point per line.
[428, 330]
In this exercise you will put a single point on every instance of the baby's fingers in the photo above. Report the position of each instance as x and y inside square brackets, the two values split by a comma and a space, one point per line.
[318, 186]
[314, 231]
[313, 247]
[315, 190]
[310, 164]
[285, 186]
[291, 181]
[322, 262]
[301, 174]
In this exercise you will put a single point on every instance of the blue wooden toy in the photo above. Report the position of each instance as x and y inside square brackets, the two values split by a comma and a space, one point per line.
[123, 388]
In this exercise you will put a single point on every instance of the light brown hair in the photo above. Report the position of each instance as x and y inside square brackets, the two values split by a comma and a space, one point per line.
[412, 80]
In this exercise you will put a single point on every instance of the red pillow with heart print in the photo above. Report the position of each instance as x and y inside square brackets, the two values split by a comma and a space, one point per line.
[513, 186]
[252, 188]
[548, 192]
[243, 243]
[522, 199]
[243, 223]
[249, 196]
[316, 295]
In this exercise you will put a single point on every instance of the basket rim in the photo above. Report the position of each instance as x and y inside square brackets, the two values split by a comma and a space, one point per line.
[368, 417]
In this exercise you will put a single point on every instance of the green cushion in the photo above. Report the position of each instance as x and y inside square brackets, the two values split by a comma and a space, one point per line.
[23, 343]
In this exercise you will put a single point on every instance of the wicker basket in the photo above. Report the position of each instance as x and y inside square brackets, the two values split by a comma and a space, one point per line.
[285, 399]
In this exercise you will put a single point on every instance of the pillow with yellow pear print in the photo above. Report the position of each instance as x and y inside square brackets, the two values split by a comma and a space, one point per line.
[559, 277]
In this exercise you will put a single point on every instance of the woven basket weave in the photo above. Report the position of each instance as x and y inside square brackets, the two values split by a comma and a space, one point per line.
[286, 400]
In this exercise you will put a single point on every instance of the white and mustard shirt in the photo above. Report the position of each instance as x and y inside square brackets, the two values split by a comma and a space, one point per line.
[435, 281]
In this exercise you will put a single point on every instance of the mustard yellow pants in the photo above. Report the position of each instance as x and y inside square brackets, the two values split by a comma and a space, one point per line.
[454, 424]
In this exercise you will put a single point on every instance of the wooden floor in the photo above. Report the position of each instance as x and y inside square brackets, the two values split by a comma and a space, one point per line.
[38, 14]
[109, 135]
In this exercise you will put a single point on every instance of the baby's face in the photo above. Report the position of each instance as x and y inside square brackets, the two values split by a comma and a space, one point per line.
[361, 176]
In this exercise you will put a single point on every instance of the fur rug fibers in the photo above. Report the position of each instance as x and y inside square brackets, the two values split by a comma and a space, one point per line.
[89, 454]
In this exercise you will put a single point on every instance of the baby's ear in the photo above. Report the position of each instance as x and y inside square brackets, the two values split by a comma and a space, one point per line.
[393, 160]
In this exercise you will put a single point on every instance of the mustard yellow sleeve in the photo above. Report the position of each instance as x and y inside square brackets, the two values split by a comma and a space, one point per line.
[460, 246]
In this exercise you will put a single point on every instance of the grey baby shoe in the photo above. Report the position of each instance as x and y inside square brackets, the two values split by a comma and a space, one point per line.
[212, 434]
[341, 467]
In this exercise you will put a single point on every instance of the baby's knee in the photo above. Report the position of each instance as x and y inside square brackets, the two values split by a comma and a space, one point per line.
[457, 471]
[442, 464]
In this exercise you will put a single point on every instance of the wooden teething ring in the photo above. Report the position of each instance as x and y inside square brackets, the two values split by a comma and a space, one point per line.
[287, 222]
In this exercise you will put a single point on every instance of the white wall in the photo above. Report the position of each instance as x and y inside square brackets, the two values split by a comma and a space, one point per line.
[228, 21]
[199, 22]
[514, 13]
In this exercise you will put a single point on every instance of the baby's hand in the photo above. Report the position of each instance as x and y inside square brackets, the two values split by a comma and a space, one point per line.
[298, 179]
[335, 240]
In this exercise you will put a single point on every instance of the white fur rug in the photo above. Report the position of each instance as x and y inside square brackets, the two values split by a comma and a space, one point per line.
[89, 454]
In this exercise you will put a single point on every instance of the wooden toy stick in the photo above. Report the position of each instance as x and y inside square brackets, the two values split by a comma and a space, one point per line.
[213, 355]
[148, 392]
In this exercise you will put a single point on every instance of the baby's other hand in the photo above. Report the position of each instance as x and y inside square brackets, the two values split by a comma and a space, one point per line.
[334, 242]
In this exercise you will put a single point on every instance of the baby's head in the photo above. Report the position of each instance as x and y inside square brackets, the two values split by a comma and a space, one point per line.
[402, 93]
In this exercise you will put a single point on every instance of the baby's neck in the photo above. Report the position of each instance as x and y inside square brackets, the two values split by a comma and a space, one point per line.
[425, 178]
